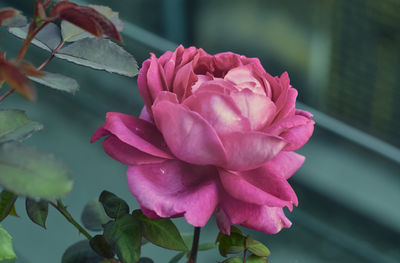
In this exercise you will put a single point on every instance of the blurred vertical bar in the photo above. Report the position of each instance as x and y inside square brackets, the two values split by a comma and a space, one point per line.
[175, 17]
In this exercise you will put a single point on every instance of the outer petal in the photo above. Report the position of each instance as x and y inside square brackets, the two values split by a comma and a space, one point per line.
[127, 154]
[297, 130]
[135, 132]
[258, 109]
[285, 164]
[249, 150]
[219, 110]
[258, 187]
[188, 135]
[142, 84]
[266, 219]
[174, 188]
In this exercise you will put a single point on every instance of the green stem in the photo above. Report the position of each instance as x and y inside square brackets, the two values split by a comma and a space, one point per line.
[53, 53]
[63, 210]
[195, 245]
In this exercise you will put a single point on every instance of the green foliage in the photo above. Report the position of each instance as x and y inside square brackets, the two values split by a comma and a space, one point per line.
[124, 235]
[15, 126]
[7, 200]
[93, 216]
[100, 245]
[113, 205]
[232, 244]
[57, 81]
[81, 252]
[177, 257]
[6, 248]
[29, 172]
[161, 232]
[37, 211]
[256, 247]
[102, 54]
[48, 38]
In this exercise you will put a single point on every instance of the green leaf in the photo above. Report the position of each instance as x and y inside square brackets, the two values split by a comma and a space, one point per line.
[256, 259]
[49, 38]
[7, 200]
[72, 33]
[257, 247]
[145, 260]
[37, 211]
[176, 258]
[6, 247]
[29, 172]
[161, 232]
[113, 205]
[18, 20]
[15, 126]
[125, 235]
[233, 260]
[81, 252]
[100, 54]
[232, 244]
[100, 245]
[93, 216]
[13, 212]
[57, 81]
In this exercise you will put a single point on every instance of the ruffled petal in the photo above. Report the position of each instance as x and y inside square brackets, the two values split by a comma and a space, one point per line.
[156, 81]
[135, 132]
[266, 219]
[243, 77]
[258, 187]
[189, 136]
[258, 109]
[174, 188]
[219, 110]
[249, 150]
[127, 154]
[296, 130]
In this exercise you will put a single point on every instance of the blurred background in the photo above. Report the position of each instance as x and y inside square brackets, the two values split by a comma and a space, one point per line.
[342, 56]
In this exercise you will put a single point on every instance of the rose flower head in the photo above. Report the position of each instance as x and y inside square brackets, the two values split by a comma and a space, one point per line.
[216, 136]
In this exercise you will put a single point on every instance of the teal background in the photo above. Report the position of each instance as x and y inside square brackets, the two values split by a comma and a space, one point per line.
[342, 56]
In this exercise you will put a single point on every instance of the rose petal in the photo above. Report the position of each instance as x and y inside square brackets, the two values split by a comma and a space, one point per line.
[135, 132]
[173, 188]
[219, 110]
[296, 130]
[183, 81]
[266, 219]
[127, 154]
[145, 115]
[249, 150]
[285, 164]
[188, 135]
[242, 76]
[258, 187]
[258, 109]
[142, 84]
[156, 81]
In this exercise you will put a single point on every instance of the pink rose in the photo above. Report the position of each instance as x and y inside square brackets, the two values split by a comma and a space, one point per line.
[216, 136]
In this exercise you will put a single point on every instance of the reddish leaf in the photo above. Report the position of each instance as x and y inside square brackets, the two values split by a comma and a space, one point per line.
[28, 69]
[6, 13]
[86, 18]
[16, 79]
[39, 10]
